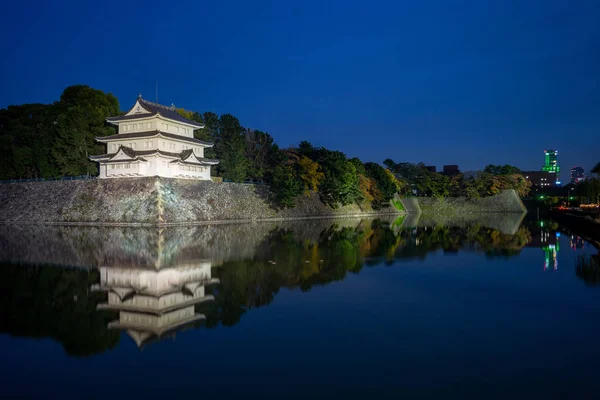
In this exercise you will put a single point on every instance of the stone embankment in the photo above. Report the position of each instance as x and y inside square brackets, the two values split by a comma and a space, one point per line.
[505, 202]
[154, 201]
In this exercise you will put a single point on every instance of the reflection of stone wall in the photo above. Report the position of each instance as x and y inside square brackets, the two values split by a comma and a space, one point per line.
[506, 223]
[134, 247]
[506, 202]
[151, 201]
[157, 248]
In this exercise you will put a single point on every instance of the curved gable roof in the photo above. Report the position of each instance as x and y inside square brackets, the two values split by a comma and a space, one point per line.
[155, 109]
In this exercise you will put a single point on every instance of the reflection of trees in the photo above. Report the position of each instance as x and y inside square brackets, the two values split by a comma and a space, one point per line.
[54, 302]
[285, 260]
[588, 268]
[490, 241]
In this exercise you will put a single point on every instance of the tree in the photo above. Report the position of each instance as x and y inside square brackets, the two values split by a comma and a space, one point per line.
[230, 149]
[310, 174]
[386, 183]
[501, 169]
[81, 116]
[360, 167]
[261, 153]
[340, 184]
[306, 148]
[286, 186]
[26, 137]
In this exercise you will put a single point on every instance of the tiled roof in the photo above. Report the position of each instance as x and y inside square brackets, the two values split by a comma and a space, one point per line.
[185, 155]
[155, 108]
[150, 134]
[138, 154]
[128, 151]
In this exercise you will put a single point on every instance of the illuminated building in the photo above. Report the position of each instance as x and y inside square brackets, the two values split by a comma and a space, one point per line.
[154, 140]
[551, 164]
[577, 174]
[540, 179]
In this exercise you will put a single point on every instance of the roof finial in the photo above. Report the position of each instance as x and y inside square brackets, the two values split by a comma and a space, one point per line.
[172, 106]
[139, 95]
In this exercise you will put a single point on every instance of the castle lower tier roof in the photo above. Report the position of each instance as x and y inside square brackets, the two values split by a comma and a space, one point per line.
[156, 109]
[154, 310]
[149, 134]
[186, 156]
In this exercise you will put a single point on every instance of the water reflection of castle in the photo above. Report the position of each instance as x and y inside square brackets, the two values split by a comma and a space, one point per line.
[153, 304]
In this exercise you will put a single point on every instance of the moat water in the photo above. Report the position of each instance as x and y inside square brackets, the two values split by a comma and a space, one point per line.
[494, 308]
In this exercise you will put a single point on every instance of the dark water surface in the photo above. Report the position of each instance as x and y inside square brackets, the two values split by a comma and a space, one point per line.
[496, 308]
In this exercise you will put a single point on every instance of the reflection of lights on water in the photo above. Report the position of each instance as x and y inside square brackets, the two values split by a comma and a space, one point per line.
[576, 242]
[550, 256]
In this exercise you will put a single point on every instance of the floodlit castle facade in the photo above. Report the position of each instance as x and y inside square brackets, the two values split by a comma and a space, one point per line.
[154, 140]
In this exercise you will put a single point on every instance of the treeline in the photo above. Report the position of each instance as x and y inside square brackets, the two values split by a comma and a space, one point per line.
[252, 155]
[288, 260]
[55, 140]
[492, 180]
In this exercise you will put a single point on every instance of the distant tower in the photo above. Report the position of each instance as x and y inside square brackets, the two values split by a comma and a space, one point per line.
[577, 174]
[551, 164]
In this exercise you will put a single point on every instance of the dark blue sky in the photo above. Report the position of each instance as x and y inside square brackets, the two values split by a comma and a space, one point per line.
[443, 82]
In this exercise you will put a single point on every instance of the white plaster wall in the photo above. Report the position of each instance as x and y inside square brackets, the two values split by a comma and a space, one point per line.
[141, 125]
[153, 166]
[125, 169]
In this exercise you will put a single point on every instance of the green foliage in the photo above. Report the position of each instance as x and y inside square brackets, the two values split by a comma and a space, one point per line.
[398, 205]
[44, 141]
[286, 185]
[422, 182]
[310, 173]
[501, 169]
[81, 117]
[360, 167]
[341, 183]
[262, 154]
[290, 260]
[230, 147]
[386, 183]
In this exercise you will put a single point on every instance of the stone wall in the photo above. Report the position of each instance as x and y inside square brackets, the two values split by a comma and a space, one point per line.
[152, 201]
[505, 202]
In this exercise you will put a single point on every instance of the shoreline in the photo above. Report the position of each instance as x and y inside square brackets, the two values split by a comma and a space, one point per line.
[200, 223]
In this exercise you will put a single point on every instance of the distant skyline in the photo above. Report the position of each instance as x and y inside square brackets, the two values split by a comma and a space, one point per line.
[464, 82]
